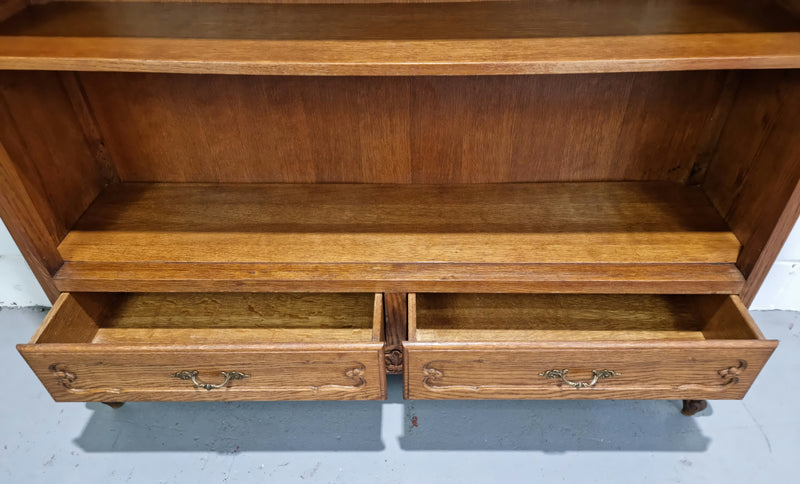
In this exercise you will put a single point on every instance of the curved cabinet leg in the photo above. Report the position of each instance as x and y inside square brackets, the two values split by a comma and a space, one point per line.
[114, 405]
[691, 407]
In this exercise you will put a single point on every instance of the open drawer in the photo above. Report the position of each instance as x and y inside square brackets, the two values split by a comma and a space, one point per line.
[550, 346]
[174, 347]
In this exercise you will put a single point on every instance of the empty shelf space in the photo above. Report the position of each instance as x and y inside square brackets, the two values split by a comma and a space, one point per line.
[384, 38]
[385, 237]
[574, 317]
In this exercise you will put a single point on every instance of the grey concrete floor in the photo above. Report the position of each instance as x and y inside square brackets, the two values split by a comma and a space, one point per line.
[752, 441]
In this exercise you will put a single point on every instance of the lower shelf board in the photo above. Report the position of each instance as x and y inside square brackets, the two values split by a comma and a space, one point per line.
[534, 237]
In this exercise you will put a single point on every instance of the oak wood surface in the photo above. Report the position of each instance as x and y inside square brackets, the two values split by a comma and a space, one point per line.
[754, 177]
[641, 126]
[646, 370]
[242, 310]
[512, 278]
[104, 347]
[319, 227]
[395, 330]
[29, 224]
[212, 318]
[113, 372]
[571, 317]
[66, 322]
[406, 39]
[44, 138]
[49, 175]
[223, 335]
[472, 346]
[385, 21]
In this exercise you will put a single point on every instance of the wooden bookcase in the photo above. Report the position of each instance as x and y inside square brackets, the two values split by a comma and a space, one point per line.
[537, 199]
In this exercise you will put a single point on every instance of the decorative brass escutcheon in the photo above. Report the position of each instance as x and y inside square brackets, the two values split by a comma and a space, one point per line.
[192, 375]
[597, 375]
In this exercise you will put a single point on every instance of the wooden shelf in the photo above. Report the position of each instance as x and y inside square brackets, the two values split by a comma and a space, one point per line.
[530, 37]
[544, 237]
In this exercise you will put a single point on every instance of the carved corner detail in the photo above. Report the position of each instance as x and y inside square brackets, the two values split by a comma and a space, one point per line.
[731, 374]
[65, 377]
[393, 359]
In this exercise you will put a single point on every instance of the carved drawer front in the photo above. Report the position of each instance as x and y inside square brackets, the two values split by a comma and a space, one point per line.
[469, 346]
[188, 347]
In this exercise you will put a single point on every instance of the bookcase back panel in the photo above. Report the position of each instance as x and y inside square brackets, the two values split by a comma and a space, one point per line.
[208, 128]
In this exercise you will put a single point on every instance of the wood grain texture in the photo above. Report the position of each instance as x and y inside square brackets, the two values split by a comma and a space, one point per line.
[474, 346]
[511, 278]
[88, 122]
[384, 21]
[252, 129]
[377, 318]
[243, 310]
[571, 317]
[520, 317]
[647, 370]
[49, 175]
[403, 130]
[560, 128]
[754, 177]
[111, 372]
[44, 138]
[67, 322]
[401, 39]
[511, 223]
[727, 318]
[211, 318]
[107, 347]
[30, 224]
[395, 330]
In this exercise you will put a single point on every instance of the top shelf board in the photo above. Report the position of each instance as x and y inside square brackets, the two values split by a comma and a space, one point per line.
[530, 37]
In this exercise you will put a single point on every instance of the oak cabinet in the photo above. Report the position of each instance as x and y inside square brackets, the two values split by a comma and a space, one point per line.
[532, 199]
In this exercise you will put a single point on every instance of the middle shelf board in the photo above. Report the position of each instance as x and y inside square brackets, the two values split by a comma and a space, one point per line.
[586, 237]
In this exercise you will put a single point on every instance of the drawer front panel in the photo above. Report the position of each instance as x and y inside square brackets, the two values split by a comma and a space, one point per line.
[126, 374]
[718, 370]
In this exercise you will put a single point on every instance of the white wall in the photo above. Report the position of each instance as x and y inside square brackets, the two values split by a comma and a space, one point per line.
[17, 284]
[781, 290]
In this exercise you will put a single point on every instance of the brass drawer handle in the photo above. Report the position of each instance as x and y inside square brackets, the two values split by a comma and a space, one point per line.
[597, 376]
[192, 375]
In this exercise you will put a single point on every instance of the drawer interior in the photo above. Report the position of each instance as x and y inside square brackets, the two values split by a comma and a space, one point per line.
[577, 317]
[212, 318]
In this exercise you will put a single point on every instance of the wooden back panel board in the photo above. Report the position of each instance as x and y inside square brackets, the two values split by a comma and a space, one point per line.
[179, 128]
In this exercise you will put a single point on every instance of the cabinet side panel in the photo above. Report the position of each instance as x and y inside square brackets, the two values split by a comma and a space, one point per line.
[50, 174]
[483, 129]
[754, 177]
[26, 215]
